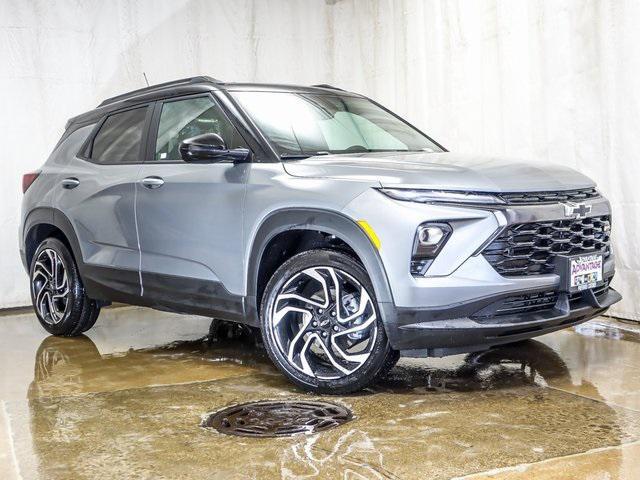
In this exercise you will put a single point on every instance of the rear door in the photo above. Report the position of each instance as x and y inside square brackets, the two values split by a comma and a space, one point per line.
[190, 215]
[97, 195]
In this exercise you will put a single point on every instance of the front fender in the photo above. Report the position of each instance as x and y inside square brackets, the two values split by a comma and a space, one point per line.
[325, 221]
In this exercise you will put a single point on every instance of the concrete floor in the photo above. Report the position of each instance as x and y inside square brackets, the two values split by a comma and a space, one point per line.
[126, 402]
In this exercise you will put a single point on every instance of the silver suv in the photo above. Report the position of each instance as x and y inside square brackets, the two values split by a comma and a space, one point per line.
[344, 233]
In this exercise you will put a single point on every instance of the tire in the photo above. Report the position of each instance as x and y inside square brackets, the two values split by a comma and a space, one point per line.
[57, 292]
[93, 317]
[304, 329]
[390, 362]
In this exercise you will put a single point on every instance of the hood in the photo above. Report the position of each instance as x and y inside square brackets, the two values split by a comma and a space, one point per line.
[442, 171]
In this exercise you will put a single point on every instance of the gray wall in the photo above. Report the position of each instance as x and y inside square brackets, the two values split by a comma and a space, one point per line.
[554, 81]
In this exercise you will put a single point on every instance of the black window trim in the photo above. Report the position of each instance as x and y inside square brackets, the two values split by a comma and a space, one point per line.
[263, 151]
[149, 158]
[85, 151]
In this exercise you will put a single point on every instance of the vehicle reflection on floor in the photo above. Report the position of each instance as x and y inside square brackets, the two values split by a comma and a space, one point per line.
[129, 403]
[521, 364]
[65, 366]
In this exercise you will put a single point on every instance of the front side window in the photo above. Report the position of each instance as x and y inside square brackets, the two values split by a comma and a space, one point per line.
[309, 124]
[183, 119]
[120, 138]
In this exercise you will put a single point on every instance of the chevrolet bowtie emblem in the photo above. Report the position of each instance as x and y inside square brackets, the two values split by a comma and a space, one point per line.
[577, 210]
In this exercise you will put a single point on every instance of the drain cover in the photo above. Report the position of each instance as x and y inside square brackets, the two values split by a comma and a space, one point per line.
[277, 419]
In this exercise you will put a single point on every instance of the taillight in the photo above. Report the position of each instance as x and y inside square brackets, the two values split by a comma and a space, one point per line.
[28, 179]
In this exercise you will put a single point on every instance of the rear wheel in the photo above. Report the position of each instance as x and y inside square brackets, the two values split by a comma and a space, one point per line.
[93, 317]
[321, 325]
[57, 292]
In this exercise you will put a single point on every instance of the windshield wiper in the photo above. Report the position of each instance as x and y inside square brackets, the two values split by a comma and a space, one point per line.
[301, 156]
[293, 156]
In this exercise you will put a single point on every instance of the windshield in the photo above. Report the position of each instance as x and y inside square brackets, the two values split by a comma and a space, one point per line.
[306, 124]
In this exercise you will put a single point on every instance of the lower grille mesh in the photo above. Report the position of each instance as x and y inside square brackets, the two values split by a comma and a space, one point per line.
[540, 301]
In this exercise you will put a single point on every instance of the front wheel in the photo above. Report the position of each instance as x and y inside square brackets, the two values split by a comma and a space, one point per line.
[321, 325]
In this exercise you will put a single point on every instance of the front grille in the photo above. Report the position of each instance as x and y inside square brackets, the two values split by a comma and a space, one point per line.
[550, 197]
[530, 248]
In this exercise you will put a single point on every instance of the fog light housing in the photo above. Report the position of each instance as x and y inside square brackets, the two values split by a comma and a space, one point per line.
[429, 240]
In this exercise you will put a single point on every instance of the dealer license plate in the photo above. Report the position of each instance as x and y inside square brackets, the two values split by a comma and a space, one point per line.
[585, 271]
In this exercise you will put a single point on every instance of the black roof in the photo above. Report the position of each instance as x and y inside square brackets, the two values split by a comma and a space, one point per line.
[281, 87]
[186, 86]
[160, 88]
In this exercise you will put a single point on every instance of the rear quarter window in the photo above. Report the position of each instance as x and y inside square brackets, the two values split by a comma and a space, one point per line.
[119, 139]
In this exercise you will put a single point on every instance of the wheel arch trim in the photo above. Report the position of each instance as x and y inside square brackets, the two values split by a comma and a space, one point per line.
[54, 217]
[326, 221]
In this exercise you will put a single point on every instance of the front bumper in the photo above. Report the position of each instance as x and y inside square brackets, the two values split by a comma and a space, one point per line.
[459, 313]
[458, 328]
[474, 321]
[445, 311]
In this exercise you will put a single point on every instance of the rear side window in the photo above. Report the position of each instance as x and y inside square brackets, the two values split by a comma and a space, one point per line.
[119, 139]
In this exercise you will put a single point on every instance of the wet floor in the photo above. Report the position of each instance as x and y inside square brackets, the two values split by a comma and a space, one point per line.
[127, 400]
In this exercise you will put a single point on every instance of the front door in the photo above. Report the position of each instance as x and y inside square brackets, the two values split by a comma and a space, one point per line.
[190, 215]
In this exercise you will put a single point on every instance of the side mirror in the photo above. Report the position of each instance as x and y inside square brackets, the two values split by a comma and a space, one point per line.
[210, 148]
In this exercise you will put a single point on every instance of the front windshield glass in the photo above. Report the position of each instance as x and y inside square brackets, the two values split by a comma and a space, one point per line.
[305, 124]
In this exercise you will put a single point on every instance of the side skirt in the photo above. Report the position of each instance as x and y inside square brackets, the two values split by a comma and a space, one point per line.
[166, 292]
[193, 296]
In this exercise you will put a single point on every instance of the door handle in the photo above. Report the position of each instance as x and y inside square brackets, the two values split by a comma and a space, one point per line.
[153, 182]
[70, 183]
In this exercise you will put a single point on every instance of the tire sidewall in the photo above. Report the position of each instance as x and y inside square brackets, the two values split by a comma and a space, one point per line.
[76, 300]
[296, 264]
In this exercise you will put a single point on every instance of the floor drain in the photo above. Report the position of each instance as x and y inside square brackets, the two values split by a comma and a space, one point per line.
[277, 419]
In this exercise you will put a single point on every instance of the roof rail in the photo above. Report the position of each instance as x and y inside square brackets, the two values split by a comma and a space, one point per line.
[159, 86]
[326, 85]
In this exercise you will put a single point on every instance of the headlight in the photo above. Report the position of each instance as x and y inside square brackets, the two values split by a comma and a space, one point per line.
[430, 238]
[441, 196]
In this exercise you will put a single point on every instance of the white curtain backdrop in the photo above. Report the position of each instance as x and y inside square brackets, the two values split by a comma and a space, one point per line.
[552, 81]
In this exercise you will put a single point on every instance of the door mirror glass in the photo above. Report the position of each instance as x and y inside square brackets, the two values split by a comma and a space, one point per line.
[211, 148]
